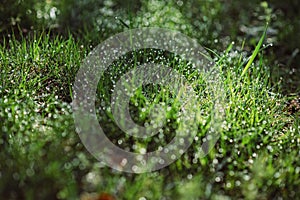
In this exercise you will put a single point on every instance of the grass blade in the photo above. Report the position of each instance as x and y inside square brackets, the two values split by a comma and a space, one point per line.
[255, 52]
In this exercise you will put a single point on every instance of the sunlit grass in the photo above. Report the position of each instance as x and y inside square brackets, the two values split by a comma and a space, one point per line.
[41, 157]
[255, 157]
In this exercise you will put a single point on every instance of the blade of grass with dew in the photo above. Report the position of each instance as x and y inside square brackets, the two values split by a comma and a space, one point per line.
[255, 52]
[241, 56]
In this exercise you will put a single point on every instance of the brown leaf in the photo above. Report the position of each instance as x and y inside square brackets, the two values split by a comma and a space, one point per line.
[95, 196]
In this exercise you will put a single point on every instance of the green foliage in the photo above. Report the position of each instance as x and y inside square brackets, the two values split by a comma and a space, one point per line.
[41, 155]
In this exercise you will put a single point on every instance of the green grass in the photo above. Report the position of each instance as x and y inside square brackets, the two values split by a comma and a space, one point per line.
[256, 156]
[42, 157]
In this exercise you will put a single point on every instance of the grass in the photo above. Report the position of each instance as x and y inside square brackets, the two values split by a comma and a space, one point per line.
[42, 156]
[255, 52]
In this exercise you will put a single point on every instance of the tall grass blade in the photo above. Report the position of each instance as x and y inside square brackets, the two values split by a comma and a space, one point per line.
[255, 52]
